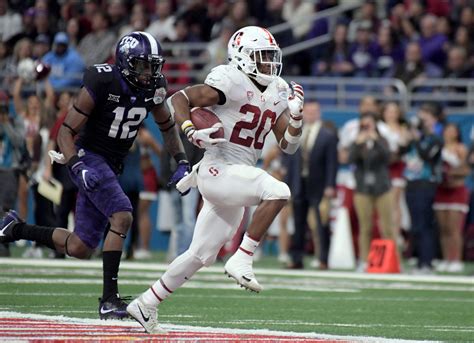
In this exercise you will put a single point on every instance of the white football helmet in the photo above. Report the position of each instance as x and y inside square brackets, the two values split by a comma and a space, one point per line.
[255, 51]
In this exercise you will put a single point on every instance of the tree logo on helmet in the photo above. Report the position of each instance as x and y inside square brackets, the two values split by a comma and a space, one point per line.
[128, 43]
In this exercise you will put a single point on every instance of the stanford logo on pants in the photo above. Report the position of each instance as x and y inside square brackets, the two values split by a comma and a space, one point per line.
[213, 171]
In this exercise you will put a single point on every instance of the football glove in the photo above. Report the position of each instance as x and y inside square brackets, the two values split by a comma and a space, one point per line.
[202, 138]
[296, 101]
[181, 171]
[89, 179]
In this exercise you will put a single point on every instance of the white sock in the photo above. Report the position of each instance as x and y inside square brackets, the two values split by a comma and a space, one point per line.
[178, 272]
[248, 245]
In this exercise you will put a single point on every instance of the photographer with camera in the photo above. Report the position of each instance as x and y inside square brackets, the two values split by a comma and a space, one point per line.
[12, 143]
[423, 174]
[371, 157]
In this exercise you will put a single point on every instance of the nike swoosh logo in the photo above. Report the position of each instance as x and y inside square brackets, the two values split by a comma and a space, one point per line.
[143, 316]
[104, 311]
[246, 278]
[84, 178]
[6, 227]
[276, 103]
[148, 99]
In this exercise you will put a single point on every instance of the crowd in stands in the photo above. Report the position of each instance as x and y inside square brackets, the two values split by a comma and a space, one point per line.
[406, 39]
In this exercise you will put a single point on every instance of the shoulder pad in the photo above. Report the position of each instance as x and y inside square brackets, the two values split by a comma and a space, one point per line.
[282, 88]
[98, 73]
[227, 79]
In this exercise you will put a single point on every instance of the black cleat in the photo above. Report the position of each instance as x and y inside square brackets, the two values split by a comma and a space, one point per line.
[6, 226]
[113, 308]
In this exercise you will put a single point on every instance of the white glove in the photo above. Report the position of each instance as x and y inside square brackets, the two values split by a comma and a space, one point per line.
[296, 101]
[202, 138]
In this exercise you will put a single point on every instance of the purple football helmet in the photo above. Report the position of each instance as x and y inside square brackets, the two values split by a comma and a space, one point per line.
[138, 57]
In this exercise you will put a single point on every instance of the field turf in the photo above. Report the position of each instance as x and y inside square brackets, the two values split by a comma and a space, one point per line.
[343, 304]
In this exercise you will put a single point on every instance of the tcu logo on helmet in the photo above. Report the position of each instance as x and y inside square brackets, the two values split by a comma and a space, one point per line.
[128, 43]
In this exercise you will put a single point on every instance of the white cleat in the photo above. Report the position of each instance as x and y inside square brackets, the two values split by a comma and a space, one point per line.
[146, 315]
[240, 269]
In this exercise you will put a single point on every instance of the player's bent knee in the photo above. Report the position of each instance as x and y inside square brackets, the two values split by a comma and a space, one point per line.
[76, 248]
[207, 256]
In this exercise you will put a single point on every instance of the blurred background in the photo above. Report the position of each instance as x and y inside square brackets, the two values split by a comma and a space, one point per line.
[388, 83]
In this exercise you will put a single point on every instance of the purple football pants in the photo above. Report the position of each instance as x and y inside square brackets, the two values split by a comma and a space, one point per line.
[93, 209]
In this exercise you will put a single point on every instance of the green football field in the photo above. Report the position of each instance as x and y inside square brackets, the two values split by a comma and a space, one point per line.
[343, 304]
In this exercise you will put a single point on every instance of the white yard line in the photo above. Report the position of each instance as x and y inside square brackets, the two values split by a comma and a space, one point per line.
[226, 331]
[126, 265]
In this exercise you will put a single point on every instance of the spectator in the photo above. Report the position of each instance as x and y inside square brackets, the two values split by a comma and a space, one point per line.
[138, 21]
[10, 22]
[11, 149]
[239, 15]
[457, 67]
[41, 46]
[66, 64]
[297, 13]
[423, 173]
[162, 28]
[451, 200]
[60, 171]
[43, 210]
[362, 51]
[432, 44]
[387, 52]
[216, 51]
[148, 146]
[336, 56]
[393, 116]
[183, 64]
[95, 47]
[117, 13]
[274, 16]
[413, 68]
[43, 24]
[367, 16]
[74, 32]
[462, 38]
[312, 178]
[131, 181]
[371, 156]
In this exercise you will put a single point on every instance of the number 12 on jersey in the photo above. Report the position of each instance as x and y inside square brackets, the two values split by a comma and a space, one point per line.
[258, 119]
[129, 123]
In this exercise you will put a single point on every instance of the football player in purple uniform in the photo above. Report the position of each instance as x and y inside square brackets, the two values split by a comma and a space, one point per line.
[94, 139]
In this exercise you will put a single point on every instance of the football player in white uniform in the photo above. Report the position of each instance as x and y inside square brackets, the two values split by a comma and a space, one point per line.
[250, 99]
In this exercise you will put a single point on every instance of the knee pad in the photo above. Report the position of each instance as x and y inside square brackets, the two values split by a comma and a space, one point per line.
[275, 190]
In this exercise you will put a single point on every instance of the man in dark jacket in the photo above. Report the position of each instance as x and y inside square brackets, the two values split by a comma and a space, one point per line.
[312, 176]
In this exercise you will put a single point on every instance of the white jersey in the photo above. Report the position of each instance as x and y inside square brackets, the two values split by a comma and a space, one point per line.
[248, 115]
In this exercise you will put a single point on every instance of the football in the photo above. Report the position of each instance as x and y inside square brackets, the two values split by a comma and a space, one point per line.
[203, 118]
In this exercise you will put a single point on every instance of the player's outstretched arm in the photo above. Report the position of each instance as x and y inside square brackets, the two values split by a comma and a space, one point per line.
[288, 127]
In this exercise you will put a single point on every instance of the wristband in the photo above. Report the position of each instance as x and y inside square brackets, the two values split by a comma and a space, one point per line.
[187, 125]
[291, 139]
